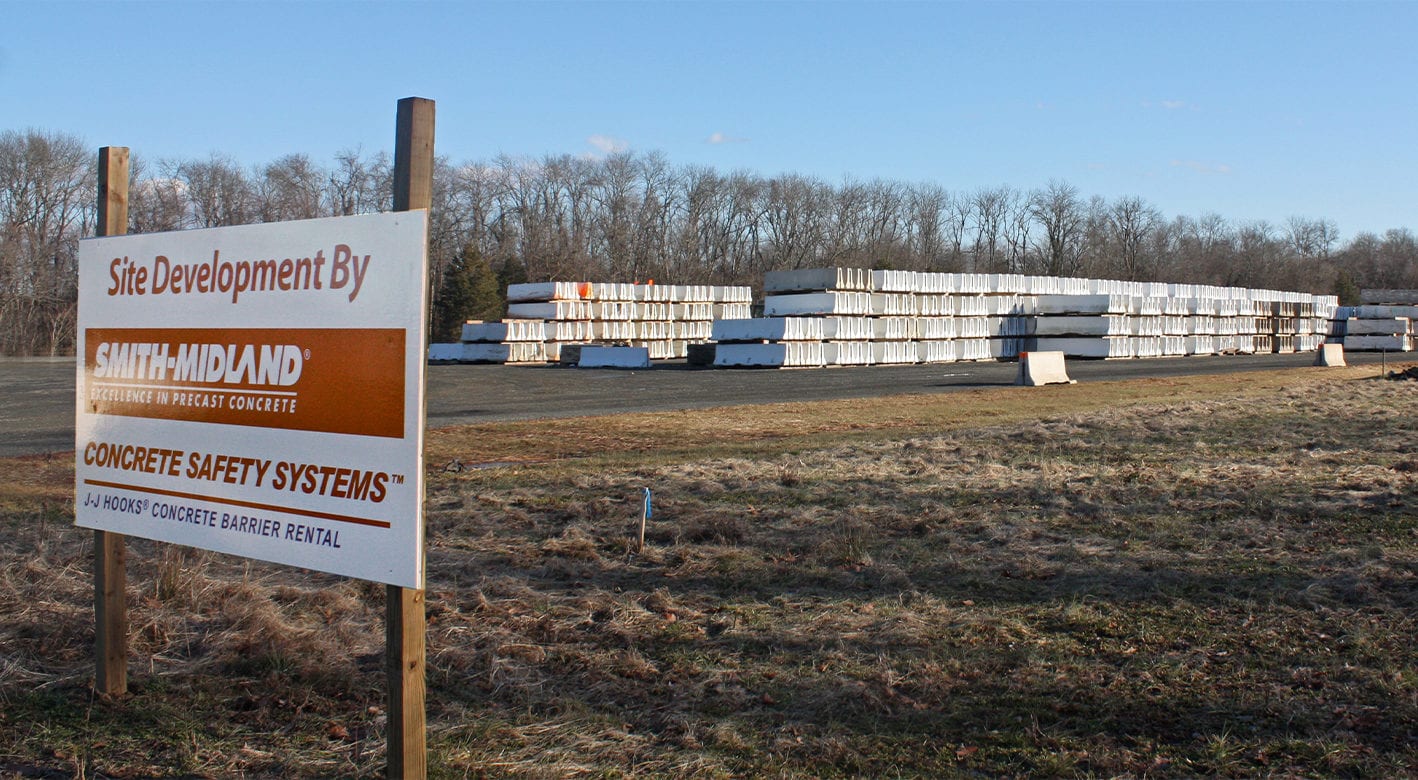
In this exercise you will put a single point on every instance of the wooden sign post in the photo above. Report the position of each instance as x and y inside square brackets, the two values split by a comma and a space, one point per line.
[404, 626]
[120, 401]
[110, 554]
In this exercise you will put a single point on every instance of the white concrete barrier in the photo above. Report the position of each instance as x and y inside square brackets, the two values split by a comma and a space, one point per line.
[610, 330]
[936, 329]
[774, 329]
[783, 354]
[1083, 347]
[445, 353]
[859, 303]
[889, 353]
[1145, 325]
[733, 311]
[1008, 348]
[472, 353]
[894, 329]
[1099, 303]
[935, 305]
[1009, 326]
[1042, 368]
[972, 327]
[816, 279]
[614, 357]
[1200, 345]
[939, 351]
[1081, 325]
[849, 329]
[972, 349]
[849, 353]
[551, 310]
[547, 291]
[1331, 355]
[894, 305]
[505, 331]
[972, 306]
[1378, 343]
[1387, 326]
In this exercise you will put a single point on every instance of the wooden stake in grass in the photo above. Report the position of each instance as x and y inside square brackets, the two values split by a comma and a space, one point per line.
[644, 518]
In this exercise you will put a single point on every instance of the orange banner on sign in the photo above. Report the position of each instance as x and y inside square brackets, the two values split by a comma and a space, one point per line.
[343, 380]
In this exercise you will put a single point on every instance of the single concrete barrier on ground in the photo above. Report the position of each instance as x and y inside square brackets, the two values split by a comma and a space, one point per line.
[1042, 368]
[1330, 355]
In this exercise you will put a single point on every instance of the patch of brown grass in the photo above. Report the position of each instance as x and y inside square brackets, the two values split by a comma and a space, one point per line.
[773, 427]
[1170, 578]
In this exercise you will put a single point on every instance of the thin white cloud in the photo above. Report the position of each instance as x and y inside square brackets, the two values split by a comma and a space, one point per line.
[723, 138]
[1202, 167]
[156, 185]
[606, 144]
[1169, 105]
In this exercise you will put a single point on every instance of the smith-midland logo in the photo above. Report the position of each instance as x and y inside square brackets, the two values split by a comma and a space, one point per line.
[332, 380]
[274, 365]
[201, 374]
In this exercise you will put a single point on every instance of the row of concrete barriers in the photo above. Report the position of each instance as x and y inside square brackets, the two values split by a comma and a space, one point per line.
[877, 317]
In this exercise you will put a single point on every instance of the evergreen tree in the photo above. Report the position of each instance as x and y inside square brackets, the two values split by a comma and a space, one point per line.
[1346, 289]
[469, 292]
[512, 272]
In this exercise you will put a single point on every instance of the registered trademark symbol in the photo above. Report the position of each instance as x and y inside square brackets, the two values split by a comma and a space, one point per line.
[307, 354]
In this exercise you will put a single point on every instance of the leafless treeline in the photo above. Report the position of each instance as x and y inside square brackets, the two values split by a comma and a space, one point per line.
[630, 217]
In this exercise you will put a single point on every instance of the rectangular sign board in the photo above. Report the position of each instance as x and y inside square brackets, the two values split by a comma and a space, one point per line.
[258, 390]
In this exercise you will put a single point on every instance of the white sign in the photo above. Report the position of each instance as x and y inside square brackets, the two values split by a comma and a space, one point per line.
[258, 390]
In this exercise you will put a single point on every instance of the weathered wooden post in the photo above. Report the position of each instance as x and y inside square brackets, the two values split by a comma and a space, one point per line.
[110, 553]
[404, 626]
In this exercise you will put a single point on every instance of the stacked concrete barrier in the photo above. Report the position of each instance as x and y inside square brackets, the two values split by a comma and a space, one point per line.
[846, 316]
[1385, 321]
[542, 317]
[860, 317]
[1175, 320]
[1381, 328]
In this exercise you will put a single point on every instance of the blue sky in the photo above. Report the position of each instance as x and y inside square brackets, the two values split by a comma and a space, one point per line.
[1252, 110]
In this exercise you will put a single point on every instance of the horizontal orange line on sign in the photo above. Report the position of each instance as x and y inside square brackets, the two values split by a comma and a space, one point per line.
[240, 503]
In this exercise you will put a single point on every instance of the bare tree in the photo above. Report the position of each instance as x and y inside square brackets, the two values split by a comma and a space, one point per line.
[47, 182]
[1018, 231]
[1260, 255]
[158, 201]
[358, 184]
[631, 216]
[1058, 211]
[218, 193]
[884, 244]
[794, 218]
[1131, 221]
[1205, 246]
[1311, 239]
[959, 216]
[990, 211]
[927, 208]
[291, 188]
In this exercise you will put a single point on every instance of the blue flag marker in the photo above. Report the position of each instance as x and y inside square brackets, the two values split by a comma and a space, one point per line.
[647, 511]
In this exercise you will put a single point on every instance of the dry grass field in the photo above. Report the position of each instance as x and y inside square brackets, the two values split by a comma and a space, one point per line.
[1167, 578]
